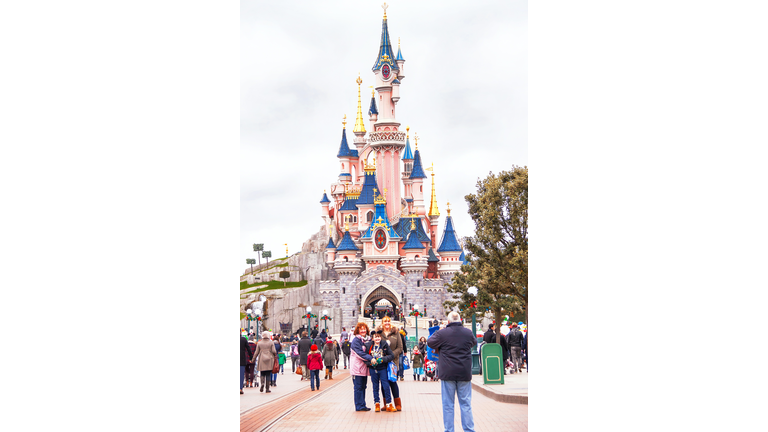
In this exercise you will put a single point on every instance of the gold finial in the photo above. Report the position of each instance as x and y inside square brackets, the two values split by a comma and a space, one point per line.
[433, 211]
[407, 131]
[416, 137]
[359, 126]
[384, 6]
[413, 224]
[448, 208]
[398, 42]
[344, 122]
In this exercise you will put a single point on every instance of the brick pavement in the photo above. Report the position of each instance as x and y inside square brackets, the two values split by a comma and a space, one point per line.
[258, 418]
[333, 409]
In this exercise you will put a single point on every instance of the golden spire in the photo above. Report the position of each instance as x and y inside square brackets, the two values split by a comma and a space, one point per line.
[344, 122]
[407, 131]
[433, 211]
[413, 224]
[373, 92]
[416, 138]
[384, 6]
[359, 126]
[448, 208]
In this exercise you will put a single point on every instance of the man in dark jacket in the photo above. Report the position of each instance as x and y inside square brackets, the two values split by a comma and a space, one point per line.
[245, 354]
[324, 336]
[515, 342]
[490, 336]
[454, 344]
[305, 343]
[313, 335]
[345, 348]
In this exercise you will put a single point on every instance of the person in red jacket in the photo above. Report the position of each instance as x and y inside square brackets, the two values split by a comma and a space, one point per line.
[314, 363]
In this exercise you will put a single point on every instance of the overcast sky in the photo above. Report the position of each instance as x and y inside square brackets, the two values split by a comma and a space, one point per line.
[464, 94]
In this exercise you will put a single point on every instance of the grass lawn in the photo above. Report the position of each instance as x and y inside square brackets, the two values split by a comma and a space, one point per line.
[271, 285]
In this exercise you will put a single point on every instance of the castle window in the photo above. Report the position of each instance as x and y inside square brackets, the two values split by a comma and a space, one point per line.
[421, 188]
[370, 216]
[346, 259]
[418, 283]
[343, 290]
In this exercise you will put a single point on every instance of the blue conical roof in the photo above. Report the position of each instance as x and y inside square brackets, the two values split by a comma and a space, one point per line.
[432, 256]
[449, 242]
[372, 109]
[399, 54]
[366, 194]
[385, 50]
[407, 155]
[325, 199]
[344, 150]
[346, 243]
[417, 171]
[463, 258]
[413, 241]
[330, 244]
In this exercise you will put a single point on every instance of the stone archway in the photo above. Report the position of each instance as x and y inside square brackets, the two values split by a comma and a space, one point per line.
[368, 306]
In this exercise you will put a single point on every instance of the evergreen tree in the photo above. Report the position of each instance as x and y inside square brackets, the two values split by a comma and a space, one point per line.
[498, 252]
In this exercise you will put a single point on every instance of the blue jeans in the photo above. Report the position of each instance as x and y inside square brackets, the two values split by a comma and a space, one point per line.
[464, 390]
[242, 376]
[274, 377]
[400, 371]
[380, 376]
[314, 377]
[360, 383]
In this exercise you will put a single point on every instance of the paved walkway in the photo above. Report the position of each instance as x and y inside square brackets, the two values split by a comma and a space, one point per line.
[333, 408]
[514, 389]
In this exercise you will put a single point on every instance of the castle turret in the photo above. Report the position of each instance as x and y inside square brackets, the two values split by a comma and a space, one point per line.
[330, 250]
[417, 177]
[449, 249]
[324, 207]
[400, 62]
[346, 156]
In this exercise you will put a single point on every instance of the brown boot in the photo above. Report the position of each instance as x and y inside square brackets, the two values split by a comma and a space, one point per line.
[330, 374]
[397, 404]
[377, 407]
[391, 408]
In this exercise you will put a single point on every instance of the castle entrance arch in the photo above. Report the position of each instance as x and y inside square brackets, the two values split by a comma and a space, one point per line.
[379, 302]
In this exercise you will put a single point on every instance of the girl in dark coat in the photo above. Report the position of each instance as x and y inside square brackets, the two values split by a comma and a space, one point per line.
[381, 356]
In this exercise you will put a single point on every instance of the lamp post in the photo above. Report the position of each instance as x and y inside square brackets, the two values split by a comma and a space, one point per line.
[415, 313]
[248, 315]
[309, 316]
[325, 318]
[258, 320]
[475, 354]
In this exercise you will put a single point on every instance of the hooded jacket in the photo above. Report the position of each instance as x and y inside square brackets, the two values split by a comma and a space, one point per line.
[454, 343]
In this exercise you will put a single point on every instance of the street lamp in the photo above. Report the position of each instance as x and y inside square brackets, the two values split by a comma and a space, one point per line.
[475, 354]
[248, 315]
[415, 313]
[258, 320]
[309, 316]
[325, 318]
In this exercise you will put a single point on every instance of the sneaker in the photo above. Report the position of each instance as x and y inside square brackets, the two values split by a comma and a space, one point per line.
[241, 391]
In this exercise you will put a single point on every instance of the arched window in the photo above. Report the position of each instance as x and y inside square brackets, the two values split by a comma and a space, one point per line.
[354, 219]
[342, 166]
[346, 259]
[343, 290]
[421, 188]
[370, 216]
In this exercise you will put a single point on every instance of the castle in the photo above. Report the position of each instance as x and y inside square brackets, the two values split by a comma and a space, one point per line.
[383, 251]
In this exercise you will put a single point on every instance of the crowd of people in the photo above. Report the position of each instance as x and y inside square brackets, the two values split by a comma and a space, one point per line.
[379, 354]
[514, 346]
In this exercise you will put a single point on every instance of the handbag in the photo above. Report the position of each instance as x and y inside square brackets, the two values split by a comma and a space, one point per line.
[276, 366]
[406, 362]
[299, 371]
[392, 371]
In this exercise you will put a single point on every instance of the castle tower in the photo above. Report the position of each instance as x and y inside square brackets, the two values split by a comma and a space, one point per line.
[380, 240]
[407, 169]
[346, 156]
[385, 139]
[449, 249]
[324, 208]
[359, 141]
[417, 178]
[434, 213]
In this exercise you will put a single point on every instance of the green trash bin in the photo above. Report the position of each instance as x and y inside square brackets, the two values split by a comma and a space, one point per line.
[493, 364]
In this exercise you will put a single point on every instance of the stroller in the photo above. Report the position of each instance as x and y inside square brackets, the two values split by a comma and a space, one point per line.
[430, 369]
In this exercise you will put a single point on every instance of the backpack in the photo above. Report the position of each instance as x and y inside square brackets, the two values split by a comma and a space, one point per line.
[294, 350]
